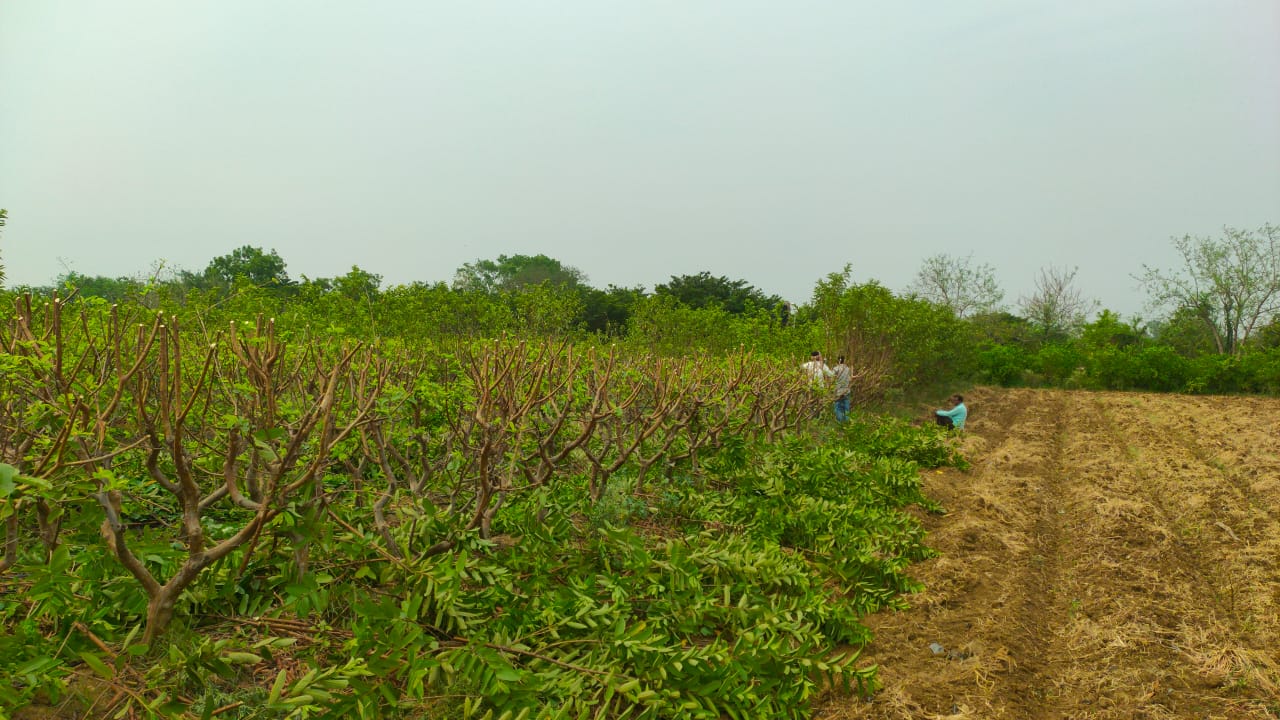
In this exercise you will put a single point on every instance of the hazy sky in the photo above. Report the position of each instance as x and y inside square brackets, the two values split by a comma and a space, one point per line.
[769, 141]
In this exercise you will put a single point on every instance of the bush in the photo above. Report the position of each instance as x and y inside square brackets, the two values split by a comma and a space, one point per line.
[1056, 362]
[1002, 364]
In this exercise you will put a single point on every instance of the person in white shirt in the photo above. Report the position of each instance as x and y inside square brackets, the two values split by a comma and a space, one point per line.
[816, 369]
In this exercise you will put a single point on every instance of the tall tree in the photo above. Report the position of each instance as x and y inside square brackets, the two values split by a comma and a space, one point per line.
[704, 289]
[112, 289]
[1186, 332]
[1230, 285]
[959, 284]
[4, 216]
[264, 269]
[1056, 309]
[608, 311]
[514, 272]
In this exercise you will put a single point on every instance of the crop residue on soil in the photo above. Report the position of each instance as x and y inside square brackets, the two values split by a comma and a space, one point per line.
[1108, 556]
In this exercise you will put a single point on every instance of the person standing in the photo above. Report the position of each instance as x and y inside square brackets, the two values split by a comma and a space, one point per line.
[954, 417]
[816, 369]
[843, 380]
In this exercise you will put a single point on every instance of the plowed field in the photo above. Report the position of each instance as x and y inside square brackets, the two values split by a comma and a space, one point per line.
[1107, 556]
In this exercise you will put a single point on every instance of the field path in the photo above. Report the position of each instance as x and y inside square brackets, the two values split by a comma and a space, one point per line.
[1109, 555]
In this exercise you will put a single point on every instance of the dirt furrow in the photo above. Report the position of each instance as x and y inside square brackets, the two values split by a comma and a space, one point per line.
[977, 632]
[1090, 568]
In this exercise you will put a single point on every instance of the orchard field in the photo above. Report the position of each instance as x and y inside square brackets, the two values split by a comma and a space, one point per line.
[237, 498]
[1107, 556]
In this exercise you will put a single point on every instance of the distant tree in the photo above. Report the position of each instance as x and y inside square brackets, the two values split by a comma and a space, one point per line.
[1267, 336]
[513, 272]
[259, 268]
[1231, 285]
[1187, 332]
[895, 340]
[436, 311]
[1002, 328]
[958, 284]
[113, 289]
[358, 285]
[4, 216]
[704, 289]
[1109, 330]
[608, 311]
[1056, 309]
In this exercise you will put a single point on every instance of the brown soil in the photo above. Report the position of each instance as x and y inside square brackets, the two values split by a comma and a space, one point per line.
[1109, 555]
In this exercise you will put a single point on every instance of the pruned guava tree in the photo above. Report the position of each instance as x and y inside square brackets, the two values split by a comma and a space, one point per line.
[244, 420]
[63, 378]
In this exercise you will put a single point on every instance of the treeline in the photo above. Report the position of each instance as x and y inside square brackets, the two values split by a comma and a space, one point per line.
[896, 340]
[1215, 327]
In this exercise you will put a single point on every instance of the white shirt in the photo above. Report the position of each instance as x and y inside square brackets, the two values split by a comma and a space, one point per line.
[817, 371]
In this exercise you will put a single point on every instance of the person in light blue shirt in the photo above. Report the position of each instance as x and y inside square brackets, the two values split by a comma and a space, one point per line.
[953, 418]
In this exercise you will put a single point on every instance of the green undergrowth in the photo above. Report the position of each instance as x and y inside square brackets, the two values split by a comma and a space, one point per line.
[733, 589]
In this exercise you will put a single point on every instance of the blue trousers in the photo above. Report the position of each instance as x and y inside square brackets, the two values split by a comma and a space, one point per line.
[842, 408]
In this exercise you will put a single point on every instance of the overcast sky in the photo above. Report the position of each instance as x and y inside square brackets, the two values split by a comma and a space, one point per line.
[768, 141]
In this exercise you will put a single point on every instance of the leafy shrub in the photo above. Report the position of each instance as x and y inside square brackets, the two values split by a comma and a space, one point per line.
[1216, 374]
[1056, 362]
[1160, 368]
[1002, 364]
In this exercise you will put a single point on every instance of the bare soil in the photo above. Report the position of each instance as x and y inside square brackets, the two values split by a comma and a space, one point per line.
[1109, 555]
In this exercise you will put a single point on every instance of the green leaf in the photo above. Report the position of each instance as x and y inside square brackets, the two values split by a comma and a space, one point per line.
[277, 687]
[37, 665]
[94, 662]
[8, 479]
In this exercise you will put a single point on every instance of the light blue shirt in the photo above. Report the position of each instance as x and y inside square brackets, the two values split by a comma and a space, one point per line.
[957, 415]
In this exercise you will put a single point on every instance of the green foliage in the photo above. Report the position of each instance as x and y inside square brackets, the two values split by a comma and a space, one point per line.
[1057, 361]
[724, 589]
[111, 289]
[609, 311]
[1002, 364]
[706, 598]
[705, 290]
[1002, 328]
[1109, 330]
[871, 326]
[1227, 286]
[661, 325]
[4, 218]
[1188, 331]
[252, 264]
[517, 272]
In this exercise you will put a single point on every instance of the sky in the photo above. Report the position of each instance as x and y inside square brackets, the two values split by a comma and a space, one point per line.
[773, 142]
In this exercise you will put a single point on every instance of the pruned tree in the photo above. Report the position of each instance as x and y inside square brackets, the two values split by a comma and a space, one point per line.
[1230, 285]
[1056, 309]
[957, 283]
[287, 414]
